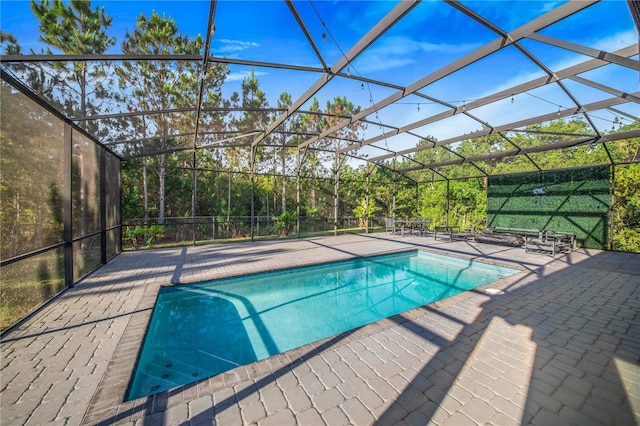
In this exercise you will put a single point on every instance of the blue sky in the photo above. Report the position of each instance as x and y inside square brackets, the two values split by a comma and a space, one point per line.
[431, 36]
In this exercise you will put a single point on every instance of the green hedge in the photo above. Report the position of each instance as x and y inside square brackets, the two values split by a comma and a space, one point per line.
[576, 200]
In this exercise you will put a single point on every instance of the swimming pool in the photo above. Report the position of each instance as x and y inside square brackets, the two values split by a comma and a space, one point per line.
[200, 330]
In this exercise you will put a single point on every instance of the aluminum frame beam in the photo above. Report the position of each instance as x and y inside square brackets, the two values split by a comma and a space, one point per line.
[304, 29]
[624, 114]
[203, 70]
[587, 51]
[376, 32]
[527, 31]
[603, 88]
[529, 150]
[503, 94]
[132, 114]
[262, 64]
[524, 31]
[512, 126]
[100, 57]
[204, 109]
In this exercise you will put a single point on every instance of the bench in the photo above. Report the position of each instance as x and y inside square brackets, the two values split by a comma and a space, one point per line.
[468, 233]
[514, 237]
[446, 230]
[551, 242]
[525, 232]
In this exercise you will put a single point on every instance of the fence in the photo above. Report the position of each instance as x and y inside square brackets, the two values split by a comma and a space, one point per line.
[208, 228]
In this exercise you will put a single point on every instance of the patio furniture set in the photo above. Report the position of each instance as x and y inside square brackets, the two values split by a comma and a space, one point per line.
[541, 240]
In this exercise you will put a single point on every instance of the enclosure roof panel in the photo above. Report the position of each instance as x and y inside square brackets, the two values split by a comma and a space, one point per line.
[372, 80]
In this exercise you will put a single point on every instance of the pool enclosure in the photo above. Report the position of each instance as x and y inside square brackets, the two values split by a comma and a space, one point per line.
[127, 122]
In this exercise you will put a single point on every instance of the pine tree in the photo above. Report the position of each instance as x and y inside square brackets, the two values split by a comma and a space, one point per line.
[163, 85]
[77, 29]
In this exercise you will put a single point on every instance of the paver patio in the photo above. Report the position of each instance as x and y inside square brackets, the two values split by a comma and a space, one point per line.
[559, 344]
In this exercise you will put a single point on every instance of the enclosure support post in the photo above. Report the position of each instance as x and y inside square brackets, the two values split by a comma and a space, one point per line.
[447, 216]
[103, 206]
[298, 193]
[612, 206]
[366, 204]
[194, 198]
[336, 189]
[252, 166]
[393, 197]
[67, 231]
[119, 211]
[417, 209]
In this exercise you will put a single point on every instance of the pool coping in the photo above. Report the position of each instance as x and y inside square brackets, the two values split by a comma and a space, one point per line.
[109, 400]
[555, 344]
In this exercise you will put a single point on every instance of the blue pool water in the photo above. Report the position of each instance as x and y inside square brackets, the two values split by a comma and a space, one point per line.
[204, 329]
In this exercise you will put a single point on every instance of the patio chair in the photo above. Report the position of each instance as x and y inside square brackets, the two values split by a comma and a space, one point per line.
[421, 227]
[390, 226]
[547, 241]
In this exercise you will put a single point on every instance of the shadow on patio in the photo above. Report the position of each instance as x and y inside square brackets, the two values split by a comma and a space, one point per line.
[554, 348]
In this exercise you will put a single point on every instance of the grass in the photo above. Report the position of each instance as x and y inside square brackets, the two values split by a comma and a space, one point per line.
[19, 298]
[29, 283]
[257, 238]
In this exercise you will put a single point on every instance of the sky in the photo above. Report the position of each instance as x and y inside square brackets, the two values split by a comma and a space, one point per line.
[432, 35]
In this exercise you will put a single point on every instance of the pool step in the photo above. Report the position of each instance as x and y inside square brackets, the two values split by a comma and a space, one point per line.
[171, 373]
[162, 373]
[150, 384]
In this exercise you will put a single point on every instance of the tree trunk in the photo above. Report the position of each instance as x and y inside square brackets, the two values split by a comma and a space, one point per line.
[162, 174]
[366, 206]
[275, 189]
[284, 181]
[336, 188]
[145, 190]
[298, 193]
[312, 189]
[15, 229]
[229, 196]
[84, 214]
[83, 95]
[252, 166]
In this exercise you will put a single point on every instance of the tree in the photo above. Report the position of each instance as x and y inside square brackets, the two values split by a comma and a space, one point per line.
[312, 123]
[626, 208]
[153, 82]
[30, 175]
[9, 44]
[163, 85]
[335, 112]
[284, 102]
[76, 28]
[253, 100]
[366, 208]
[37, 76]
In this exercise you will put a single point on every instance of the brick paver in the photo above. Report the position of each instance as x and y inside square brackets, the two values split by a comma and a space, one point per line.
[560, 345]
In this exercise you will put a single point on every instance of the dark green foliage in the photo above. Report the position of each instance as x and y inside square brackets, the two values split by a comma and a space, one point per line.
[626, 209]
[76, 28]
[29, 283]
[576, 200]
[284, 223]
[9, 44]
[147, 233]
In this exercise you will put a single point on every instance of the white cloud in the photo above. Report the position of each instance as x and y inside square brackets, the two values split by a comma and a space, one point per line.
[380, 63]
[609, 44]
[239, 76]
[617, 41]
[229, 45]
[546, 7]
[401, 45]
[515, 80]
[398, 51]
